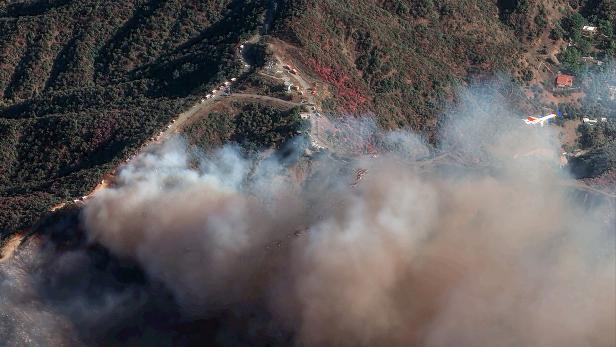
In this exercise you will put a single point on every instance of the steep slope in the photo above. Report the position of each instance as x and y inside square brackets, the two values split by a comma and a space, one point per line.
[397, 59]
[84, 83]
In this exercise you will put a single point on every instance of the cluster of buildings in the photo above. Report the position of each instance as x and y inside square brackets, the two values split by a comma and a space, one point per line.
[593, 121]
[224, 89]
[566, 81]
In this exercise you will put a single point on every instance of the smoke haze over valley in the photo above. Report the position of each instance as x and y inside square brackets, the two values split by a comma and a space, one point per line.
[415, 253]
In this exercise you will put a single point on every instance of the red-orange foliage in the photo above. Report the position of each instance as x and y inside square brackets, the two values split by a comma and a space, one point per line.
[351, 98]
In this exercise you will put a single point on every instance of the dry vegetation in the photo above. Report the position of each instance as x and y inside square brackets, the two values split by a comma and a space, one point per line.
[395, 59]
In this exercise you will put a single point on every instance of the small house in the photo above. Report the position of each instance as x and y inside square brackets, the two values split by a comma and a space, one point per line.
[589, 29]
[564, 81]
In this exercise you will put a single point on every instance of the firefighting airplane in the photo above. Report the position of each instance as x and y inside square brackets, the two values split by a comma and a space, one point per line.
[530, 120]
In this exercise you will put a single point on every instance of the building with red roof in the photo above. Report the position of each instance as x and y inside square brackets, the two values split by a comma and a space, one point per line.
[564, 81]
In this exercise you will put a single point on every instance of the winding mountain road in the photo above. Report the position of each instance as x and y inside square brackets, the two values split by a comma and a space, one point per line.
[319, 123]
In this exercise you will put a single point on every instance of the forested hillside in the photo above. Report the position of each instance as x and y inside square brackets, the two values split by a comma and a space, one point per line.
[84, 83]
[398, 59]
[402, 59]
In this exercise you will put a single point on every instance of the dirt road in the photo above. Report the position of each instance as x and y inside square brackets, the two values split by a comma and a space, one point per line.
[264, 98]
[201, 108]
[10, 246]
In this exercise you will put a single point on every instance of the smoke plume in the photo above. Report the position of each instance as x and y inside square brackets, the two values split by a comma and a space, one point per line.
[488, 243]
[415, 253]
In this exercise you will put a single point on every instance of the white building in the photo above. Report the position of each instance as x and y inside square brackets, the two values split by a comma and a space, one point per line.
[589, 29]
[288, 86]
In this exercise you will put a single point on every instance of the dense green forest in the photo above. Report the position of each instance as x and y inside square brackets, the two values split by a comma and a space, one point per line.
[255, 127]
[85, 83]
[600, 142]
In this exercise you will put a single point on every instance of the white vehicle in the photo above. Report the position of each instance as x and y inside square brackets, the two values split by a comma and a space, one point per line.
[233, 79]
[208, 96]
[530, 120]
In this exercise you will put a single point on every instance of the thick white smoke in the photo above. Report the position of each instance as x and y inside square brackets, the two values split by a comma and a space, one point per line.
[488, 248]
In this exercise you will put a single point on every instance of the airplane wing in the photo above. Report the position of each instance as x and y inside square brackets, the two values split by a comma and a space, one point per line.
[534, 120]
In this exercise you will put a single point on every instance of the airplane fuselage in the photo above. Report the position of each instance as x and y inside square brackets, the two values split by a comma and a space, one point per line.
[539, 120]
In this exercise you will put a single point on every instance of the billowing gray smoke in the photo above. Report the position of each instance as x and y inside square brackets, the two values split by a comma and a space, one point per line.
[486, 243]
[433, 253]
